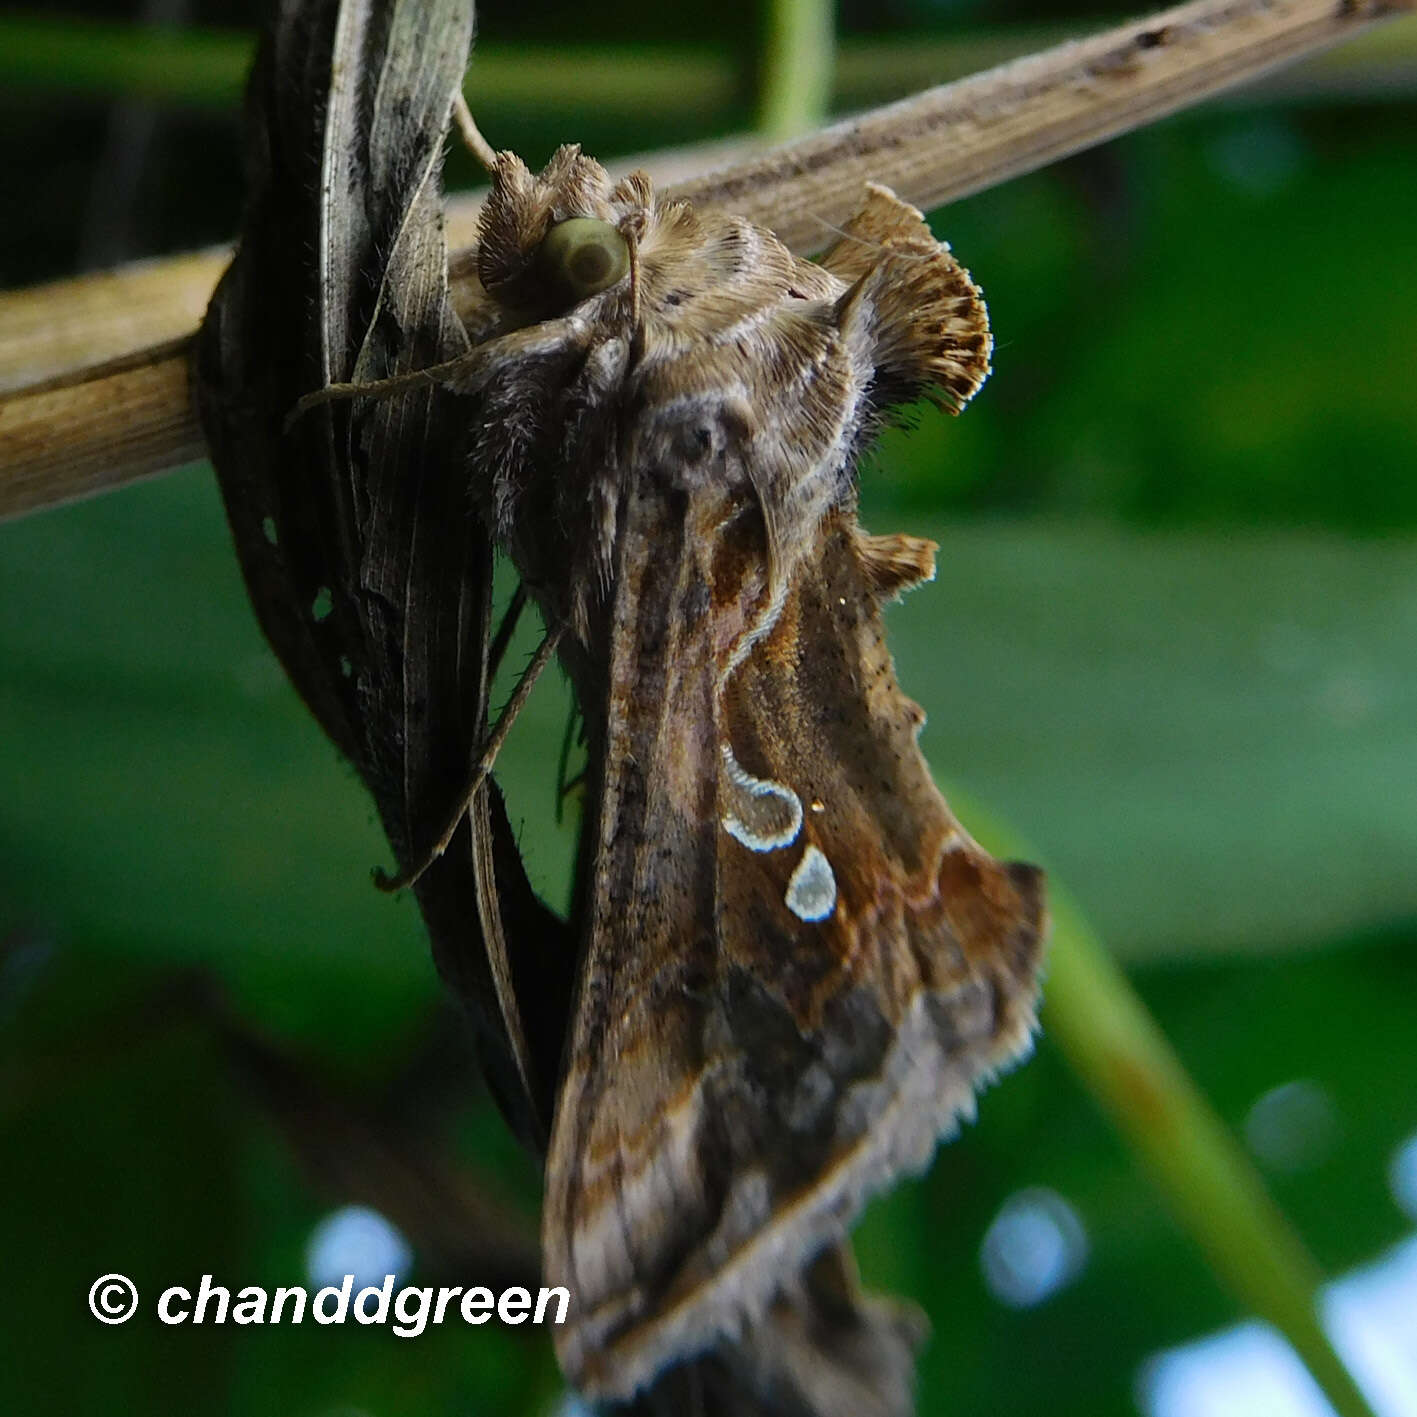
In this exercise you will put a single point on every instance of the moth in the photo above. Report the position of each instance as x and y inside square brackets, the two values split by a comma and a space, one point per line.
[787, 966]
[794, 963]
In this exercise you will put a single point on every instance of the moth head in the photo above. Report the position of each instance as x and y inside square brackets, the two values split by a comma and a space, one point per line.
[548, 241]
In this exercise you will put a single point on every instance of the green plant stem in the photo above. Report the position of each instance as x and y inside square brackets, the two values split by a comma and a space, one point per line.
[1095, 1018]
[798, 55]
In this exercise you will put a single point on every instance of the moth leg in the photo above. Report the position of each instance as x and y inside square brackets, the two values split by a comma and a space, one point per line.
[485, 760]
[435, 374]
[567, 785]
[504, 631]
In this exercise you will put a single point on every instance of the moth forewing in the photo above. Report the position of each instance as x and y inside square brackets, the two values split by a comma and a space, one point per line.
[774, 1023]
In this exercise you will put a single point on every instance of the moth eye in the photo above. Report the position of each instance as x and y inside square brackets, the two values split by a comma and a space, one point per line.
[584, 256]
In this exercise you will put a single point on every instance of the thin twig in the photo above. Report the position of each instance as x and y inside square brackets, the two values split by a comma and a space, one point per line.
[104, 429]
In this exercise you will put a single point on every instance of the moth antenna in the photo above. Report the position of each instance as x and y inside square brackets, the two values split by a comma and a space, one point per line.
[485, 761]
[840, 232]
[471, 134]
[831, 226]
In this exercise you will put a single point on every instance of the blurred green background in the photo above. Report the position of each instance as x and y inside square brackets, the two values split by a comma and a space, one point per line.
[1173, 643]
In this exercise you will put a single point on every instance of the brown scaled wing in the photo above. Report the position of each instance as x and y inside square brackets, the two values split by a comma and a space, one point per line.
[741, 1078]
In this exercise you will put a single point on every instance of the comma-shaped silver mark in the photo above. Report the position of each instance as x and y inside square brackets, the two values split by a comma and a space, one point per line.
[811, 893]
[763, 815]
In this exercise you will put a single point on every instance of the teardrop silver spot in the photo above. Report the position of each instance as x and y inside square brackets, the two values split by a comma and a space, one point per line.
[763, 815]
[811, 893]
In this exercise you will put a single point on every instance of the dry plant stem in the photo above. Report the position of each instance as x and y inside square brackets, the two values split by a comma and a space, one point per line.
[77, 322]
[53, 329]
[943, 144]
[963, 137]
[99, 429]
